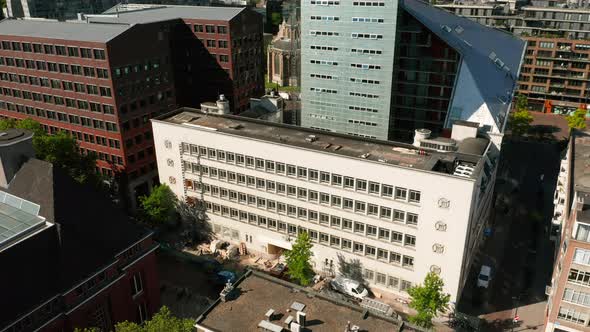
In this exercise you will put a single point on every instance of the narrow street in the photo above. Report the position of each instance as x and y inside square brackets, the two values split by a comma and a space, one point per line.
[519, 250]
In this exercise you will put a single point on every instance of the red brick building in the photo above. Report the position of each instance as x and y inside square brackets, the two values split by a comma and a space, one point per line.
[101, 80]
[68, 263]
[568, 305]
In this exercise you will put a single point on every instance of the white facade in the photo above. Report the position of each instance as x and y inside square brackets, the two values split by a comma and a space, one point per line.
[433, 224]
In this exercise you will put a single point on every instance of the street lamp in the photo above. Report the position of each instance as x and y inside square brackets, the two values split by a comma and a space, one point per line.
[515, 318]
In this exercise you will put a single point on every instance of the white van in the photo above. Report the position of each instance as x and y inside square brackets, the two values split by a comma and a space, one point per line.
[349, 287]
[484, 277]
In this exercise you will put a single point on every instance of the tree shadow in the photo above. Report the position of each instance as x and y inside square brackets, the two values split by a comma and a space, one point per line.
[544, 132]
[351, 269]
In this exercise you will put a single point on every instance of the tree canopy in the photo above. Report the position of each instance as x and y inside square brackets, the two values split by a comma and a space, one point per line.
[522, 102]
[163, 321]
[60, 149]
[577, 120]
[428, 300]
[520, 122]
[298, 260]
[159, 207]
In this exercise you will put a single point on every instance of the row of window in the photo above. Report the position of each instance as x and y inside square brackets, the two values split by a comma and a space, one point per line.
[312, 196]
[572, 315]
[380, 233]
[582, 256]
[577, 297]
[323, 90]
[73, 51]
[323, 33]
[90, 89]
[59, 100]
[304, 173]
[364, 81]
[315, 235]
[354, 19]
[323, 62]
[221, 29]
[362, 123]
[355, 35]
[323, 48]
[54, 67]
[363, 109]
[323, 77]
[62, 117]
[579, 277]
[148, 65]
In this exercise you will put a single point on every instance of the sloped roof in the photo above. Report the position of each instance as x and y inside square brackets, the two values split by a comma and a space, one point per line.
[91, 230]
[80, 31]
[479, 46]
[157, 14]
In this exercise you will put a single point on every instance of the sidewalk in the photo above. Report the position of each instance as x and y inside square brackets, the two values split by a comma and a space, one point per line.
[531, 318]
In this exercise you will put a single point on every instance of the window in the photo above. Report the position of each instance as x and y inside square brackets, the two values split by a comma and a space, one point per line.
[387, 191]
[359, 227]
[361, 185]
[396, 237]
[412, 219]
[209, 28]
[348, 182]
[395, 258]
[324, 198]
[392, 282]
[336, 180]
[99, 54]
[347, 224]
[334, 241]
[136, 284]
[313, 175]
[346, 244]
[324, 177]
[198, 28]
[583, 233]
[408, 261]
[360, 206]
[372, 209]
[384, 234]
[302, 172]
[401, 193]
[368, 275]
[370, 251]
[324, 219]
[348, 204]
[582, 256]
[281, 168]
[374, 188]
[335, 221]
[324, 238]
[410, 240]
[222, 29]
[579, 277]
[578, 297]
[572, 315]
[405, 285]
[414, 196]
[382, 255]
[385, 213]
[142, 312]
[291, 170]
[371, 230]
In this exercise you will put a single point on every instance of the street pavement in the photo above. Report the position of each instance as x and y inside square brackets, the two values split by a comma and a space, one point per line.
[519, 250]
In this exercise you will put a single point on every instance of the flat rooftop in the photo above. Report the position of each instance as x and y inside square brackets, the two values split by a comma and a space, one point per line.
[393, 153]
[581, 155]
[257, 293]
[18, 218]
[167, 12]
[51, 29]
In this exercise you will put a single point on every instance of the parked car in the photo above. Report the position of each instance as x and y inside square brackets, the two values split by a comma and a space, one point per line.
[349, 287]
[484, 277]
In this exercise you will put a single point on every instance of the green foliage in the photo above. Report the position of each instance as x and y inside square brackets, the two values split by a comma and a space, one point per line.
[87, 329]
[522, 102]
[276, 18]
[428, 300]
[195, 227]
[298, 260]
[163, 321]
[60, 149]
[160, 206]
[520, 122]
[577, 120]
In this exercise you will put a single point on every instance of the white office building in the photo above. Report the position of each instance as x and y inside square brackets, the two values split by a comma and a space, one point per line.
[402, 210]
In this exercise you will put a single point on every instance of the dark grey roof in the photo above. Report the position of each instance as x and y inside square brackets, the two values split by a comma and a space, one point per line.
[80, 31]
[157, 14]
[473, 145]
[477, 44]
[90, 230]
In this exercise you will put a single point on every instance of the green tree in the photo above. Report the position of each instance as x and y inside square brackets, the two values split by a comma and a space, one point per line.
[163, 321]
[522, 102]
[519, 122]
[428, 300]
[298, 260]
[60, 149]
[577, 120]
[276, 18]
[159, 207]
[195, 227]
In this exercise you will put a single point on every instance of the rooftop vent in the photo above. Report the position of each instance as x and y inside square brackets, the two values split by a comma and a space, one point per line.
[459, 29]
[499, 63]
[365, 155]
[492, 56]
[446, 28]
